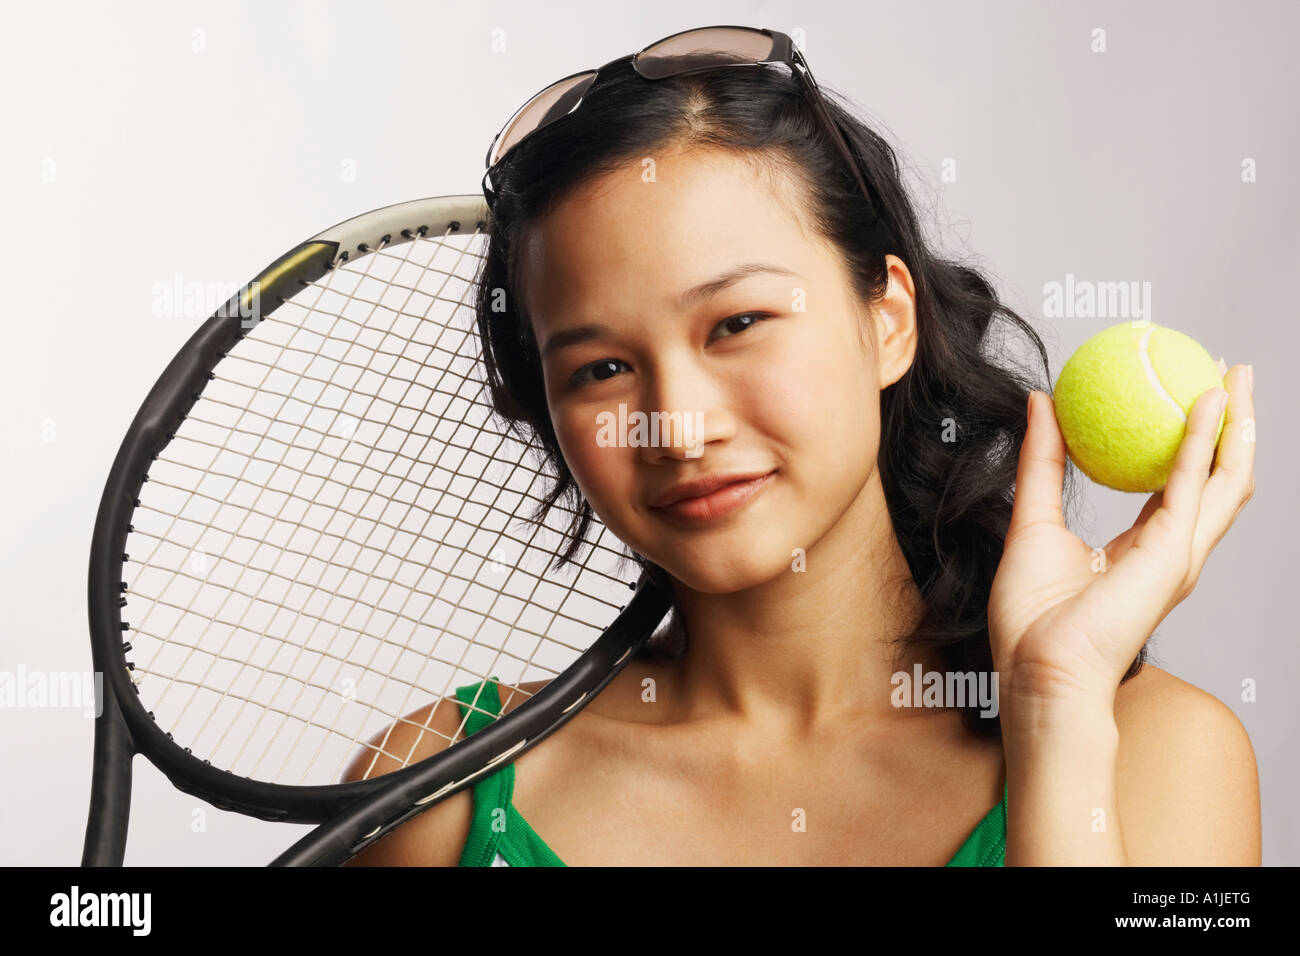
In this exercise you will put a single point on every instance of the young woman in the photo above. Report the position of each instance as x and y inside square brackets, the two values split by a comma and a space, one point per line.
[703, 242]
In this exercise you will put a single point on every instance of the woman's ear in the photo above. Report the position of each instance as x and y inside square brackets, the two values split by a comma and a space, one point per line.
[895, 318]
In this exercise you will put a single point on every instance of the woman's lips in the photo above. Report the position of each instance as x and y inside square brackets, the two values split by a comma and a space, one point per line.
[716, 504]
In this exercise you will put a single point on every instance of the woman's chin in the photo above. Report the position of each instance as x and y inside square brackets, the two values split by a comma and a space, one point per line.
[714, 576]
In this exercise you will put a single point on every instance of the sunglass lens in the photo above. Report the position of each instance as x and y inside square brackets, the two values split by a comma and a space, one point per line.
[697, 49]
[555, 101]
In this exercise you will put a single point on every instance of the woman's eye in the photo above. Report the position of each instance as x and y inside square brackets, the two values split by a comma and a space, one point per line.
[598, 372]
[735, 324]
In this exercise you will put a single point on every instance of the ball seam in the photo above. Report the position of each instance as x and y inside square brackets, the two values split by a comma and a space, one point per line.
[1154, 378]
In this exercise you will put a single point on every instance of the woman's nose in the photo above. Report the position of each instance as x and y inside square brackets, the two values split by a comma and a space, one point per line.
[689, 413]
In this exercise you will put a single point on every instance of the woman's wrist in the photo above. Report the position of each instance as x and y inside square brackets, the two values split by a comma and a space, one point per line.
[1061, 754]
[1033, 700]
[1046, 719]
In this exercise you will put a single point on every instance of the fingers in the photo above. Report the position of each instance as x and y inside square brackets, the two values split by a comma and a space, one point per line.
[1186, 485]
[1233, 482]
[1149, 576]
[1041, 473]
[1195, 509]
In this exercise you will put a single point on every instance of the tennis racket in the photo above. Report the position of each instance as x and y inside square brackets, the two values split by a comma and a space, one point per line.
[315, 526]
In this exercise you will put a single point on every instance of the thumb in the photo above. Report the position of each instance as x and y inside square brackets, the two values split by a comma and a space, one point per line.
[1040, 476]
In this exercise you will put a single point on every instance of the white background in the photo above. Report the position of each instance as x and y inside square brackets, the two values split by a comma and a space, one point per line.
[145, 140]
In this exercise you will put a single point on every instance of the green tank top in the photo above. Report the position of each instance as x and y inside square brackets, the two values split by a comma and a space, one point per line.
[499, 836]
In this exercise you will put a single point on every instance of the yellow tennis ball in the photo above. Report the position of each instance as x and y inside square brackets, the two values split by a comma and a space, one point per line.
[1123, 398]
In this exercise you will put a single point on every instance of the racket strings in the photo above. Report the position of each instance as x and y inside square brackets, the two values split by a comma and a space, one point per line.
[354, 297]
[261, 389]
[243, 650]
[465, 337]
[380, 749]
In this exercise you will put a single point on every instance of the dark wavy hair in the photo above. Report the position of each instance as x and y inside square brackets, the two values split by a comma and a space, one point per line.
[951, 426]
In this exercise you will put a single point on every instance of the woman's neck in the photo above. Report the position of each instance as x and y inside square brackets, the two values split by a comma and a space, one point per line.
[813, 645]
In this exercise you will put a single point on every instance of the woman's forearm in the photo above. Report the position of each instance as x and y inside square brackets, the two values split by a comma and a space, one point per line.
[1061, 798]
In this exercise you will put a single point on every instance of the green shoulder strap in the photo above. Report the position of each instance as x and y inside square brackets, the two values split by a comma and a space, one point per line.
[496, 826]
[987, 844]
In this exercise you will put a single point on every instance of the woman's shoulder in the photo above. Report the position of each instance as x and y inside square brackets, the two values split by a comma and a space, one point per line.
[437, 836]
[1188, 785]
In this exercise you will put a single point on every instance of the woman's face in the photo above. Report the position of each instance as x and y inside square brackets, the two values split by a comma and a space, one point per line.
[698, 292]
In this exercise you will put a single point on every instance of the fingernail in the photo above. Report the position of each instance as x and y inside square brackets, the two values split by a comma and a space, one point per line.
[1223, 366]
[1250, 378]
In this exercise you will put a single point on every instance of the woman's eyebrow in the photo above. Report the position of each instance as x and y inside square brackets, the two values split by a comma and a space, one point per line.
[574, 336]
[707, 290]
[692, 296]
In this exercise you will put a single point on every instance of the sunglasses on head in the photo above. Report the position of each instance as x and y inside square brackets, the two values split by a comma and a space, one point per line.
[691, 51]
